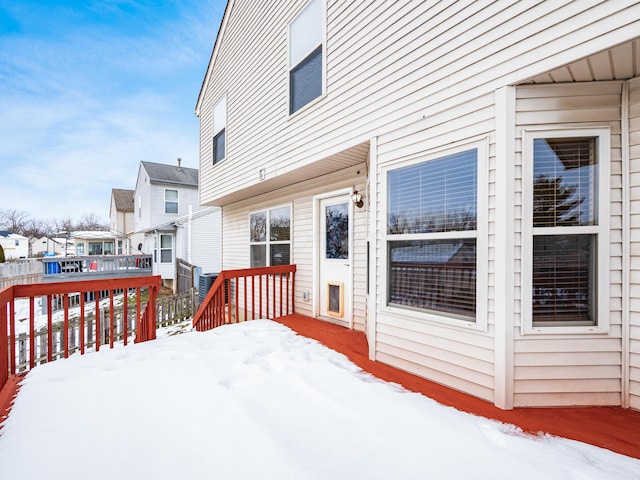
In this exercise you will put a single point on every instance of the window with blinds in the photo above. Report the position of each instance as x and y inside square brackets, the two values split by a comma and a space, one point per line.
[219, 122]
[565, 199]
[305, 56]
[432, 235]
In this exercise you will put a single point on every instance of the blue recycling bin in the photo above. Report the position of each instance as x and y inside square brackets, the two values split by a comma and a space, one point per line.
[53, 267]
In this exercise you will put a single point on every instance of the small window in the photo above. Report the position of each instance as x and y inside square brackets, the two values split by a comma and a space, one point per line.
[270, 237]
[80, 249]
[166, 249]
[219, 127]
[305, 56]
[566, 264]
[170, 201]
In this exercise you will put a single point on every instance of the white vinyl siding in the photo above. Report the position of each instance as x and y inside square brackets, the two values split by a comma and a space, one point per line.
[451, 352]
[570, 369]
[236, 236]
[421, 59]
[634, 263]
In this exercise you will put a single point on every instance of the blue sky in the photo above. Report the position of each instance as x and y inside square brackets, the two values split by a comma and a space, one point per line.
[88, 89]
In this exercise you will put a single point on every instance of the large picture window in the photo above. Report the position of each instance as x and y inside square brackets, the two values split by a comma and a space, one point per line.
[219, 128]
[567, 214]
[432, 231]
[270, 237]
[305, 56]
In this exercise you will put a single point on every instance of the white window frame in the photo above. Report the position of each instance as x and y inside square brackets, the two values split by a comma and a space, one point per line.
[601, 230]
[481, 145]
[164, 249]
[268, 242]
[177, 202]
[219, 125]
[291, 66]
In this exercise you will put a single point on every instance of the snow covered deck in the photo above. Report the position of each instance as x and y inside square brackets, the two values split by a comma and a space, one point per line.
[256, 400]
[616, 429]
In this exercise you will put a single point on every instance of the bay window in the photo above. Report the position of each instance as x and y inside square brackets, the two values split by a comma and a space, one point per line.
[566, 243]
[432, 235]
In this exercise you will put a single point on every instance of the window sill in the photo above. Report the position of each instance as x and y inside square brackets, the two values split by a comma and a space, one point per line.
[566, 330]
[434, 319]
[306, 107]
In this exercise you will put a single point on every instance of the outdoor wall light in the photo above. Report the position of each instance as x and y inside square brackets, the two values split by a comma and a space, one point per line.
[356, 198]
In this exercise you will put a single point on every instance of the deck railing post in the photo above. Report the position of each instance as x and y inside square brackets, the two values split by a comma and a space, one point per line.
[275, 295]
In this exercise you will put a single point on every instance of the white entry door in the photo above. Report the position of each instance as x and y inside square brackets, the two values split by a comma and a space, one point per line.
[335, 258]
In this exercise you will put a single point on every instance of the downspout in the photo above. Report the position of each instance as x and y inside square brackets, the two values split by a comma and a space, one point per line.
[372, 307]
[189, 235]
[626, 247]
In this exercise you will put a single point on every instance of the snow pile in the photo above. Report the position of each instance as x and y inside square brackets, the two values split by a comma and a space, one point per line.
[255, 400]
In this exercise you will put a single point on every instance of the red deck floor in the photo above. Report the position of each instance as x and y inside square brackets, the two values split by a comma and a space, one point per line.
[616, 429]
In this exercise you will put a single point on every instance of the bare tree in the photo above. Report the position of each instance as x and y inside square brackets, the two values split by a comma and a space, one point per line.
[90, 221]
[13, 220]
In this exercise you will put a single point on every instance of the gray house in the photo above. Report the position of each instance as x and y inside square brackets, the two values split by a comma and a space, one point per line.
[165, 203]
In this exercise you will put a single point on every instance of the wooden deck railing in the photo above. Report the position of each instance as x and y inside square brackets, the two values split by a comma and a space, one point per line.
[247, 294]
[78, 333]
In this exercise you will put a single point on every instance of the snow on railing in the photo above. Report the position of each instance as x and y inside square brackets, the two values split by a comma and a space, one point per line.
[95, 266]
[247, 294]
[79, 329]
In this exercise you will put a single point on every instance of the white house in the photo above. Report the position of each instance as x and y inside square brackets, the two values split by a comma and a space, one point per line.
[171, 222]
[49, 245]
[15, 246]
[462, 178]
[121, 221]
[92, 242]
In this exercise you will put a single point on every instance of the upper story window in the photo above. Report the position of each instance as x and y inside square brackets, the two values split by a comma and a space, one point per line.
[170, 201]
[566, 245]
[270, 237]
[434, 261]
[305, 56]
[219, 128]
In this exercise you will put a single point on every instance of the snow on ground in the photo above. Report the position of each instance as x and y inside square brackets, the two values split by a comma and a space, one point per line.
[255, 400]
[22, 312]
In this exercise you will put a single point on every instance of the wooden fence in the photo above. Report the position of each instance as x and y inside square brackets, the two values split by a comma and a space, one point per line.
[185, 273]
[19, 272]
[169, 311]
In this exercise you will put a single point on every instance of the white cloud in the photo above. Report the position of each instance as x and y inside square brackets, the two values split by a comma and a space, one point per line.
[85, 104]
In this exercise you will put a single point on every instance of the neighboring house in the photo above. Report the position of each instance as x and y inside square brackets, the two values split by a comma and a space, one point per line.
[15, 246]
[366, 142]
[198, 239]
[92, 242]
[165, 196]
[121, 221]
[48, 245]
